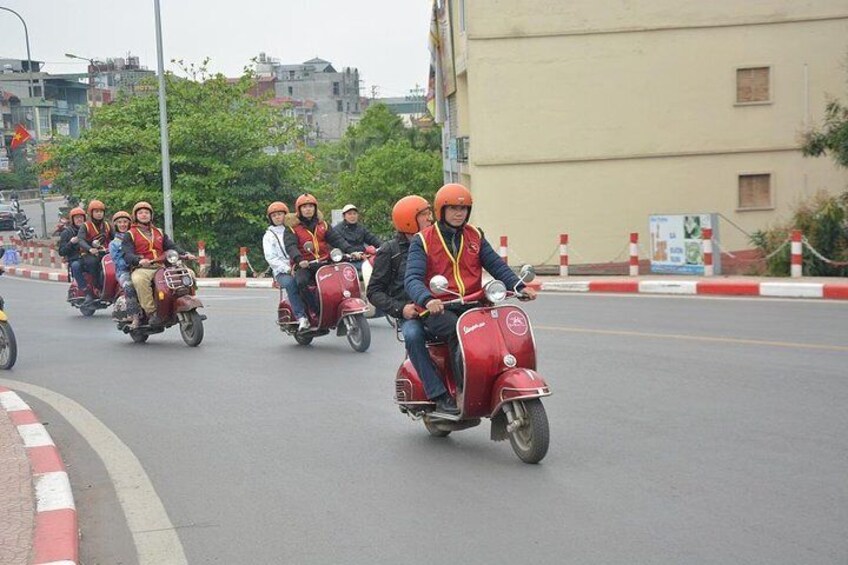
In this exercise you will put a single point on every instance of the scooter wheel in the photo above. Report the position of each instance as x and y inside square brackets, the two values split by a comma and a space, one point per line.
[434, 429]
[303, 339]
[139, 337]
[359, 334]
[87, 311]
[530, 441]
[8, 346]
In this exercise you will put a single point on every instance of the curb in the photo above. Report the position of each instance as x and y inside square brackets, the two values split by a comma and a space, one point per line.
[719, 287]
[56, 536]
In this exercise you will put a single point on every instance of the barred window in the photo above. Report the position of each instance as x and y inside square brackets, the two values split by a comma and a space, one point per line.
[753, 85]
[755, 191]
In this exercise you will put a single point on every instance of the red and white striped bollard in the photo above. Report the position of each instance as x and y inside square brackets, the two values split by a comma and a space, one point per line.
[243, 262]
[201, 257]
[797, 265]
[563, 254]
[503, 251]
[707, 246]
[40, 254]
[54, 264]
[634, 254]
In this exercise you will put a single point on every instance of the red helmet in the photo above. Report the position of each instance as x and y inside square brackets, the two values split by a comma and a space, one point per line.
[76, 212]
[276, 207]
[305, 199]
[140, 205]
[95, 205]
[452, 195]
[405, 213]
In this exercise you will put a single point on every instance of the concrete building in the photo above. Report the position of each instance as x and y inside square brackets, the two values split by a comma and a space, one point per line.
[335, 94]
[587, 117]
[116, 75]
[409, 108]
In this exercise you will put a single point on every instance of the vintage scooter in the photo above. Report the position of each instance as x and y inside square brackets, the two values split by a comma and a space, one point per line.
[174, 290]
[367, 269]
[8, 343]
[341, 306]
[501, 382]
[104, 297]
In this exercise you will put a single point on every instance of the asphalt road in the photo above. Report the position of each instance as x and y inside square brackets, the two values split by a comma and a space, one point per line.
[33, 211]
[684, 430]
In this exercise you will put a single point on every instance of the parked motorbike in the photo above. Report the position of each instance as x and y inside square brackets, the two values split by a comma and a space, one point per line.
[8, 344]
[341, 306]
[103, 297]
[25, 232]
[174, 288]
[500, 383]
[367, 269]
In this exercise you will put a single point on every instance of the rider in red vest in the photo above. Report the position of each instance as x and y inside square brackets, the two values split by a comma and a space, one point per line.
[457, 250]
[307, 225]
[143, 245]
[94, 237]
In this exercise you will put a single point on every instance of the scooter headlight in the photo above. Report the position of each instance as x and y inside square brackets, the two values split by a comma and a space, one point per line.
[336, 255]
[495, 291]
[172, 257]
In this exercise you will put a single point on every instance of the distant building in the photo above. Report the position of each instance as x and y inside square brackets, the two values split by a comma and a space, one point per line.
[335, 94]
[118, 75]
[410, 108]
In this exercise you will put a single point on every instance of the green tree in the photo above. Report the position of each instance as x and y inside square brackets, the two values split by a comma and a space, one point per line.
[22, 176]
[231, 154]
[832, 139]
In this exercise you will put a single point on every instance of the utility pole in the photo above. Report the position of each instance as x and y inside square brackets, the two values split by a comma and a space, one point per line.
[163, 126]
[375, 91]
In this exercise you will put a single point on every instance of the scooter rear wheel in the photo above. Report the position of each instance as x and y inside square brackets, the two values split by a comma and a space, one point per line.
[303, 339]
[139, 337]
[530, 441]
[8, 346]
[88, 311]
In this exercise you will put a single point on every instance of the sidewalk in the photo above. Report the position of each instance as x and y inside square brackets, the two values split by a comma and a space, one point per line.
[806, 287]
[38, 519]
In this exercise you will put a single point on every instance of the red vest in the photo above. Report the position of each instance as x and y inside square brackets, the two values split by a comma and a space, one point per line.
[92, 232]
[318, 239]
[146, 247]
[465, 271]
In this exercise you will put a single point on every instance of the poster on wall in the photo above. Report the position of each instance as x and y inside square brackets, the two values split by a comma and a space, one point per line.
[676, 243]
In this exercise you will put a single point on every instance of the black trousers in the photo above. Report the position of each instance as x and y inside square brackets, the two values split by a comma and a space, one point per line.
[443, 327]
[91, 265]
[304, 278]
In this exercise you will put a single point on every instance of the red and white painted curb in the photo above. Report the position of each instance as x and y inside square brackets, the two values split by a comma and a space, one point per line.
[37, 274]
[56, 537]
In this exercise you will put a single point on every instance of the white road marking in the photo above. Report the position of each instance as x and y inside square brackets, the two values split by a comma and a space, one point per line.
[12, 402]
[155, 538]
[34, 435]
[53, 492]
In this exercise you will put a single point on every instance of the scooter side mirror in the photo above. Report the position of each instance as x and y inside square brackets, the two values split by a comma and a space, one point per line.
[438, 284]
[309, 246]
[527, 273]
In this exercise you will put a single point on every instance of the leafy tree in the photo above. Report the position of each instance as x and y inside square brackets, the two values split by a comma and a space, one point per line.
[22, 175]
[231, 154]
[833, 138]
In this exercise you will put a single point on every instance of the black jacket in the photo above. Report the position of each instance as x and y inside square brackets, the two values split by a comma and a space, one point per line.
[385, 289]
[291, 242]
[132, 258]
[68, 250]
[357, 236]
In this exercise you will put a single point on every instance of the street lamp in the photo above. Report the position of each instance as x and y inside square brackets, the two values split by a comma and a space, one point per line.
[29, 57]
[90, 75]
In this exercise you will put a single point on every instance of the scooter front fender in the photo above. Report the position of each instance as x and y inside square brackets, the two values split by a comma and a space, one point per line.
[350, 306]
[517, 384]
[187, 303]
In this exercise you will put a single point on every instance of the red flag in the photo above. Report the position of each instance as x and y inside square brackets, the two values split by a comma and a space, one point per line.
[21, 136]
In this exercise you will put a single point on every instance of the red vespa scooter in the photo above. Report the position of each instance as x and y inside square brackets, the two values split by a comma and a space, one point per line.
[501, 382]
[104, 297]
[341, 306]
[174, 290]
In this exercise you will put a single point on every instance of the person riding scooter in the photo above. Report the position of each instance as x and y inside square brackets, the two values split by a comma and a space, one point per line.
[386, 291]
[94, 237]
[143, 245]
[278, 259]
[307, 224]
[356, 235]
[121, 222]
[69, 247]
[458, 251]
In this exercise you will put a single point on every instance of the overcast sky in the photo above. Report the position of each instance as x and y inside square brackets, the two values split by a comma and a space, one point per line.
[385, 39]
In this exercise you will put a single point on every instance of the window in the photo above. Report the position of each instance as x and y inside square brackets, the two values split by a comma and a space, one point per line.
[291, 91]
[338, 105]
[291, 75]
[336, 89]
[755, 192]
[753, 85]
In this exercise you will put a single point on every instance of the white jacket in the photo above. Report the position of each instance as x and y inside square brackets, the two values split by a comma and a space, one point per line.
[275, 250]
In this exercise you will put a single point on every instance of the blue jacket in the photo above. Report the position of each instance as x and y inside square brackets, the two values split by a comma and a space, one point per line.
[118, 255]
[416, 266]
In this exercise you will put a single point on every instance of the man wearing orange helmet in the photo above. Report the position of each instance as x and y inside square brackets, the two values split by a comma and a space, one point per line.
[278, 259]
[386, 291]
[457, 250]
[121, 222]
[69, 246]
[143, 245]
[307, 226]
[94, 236]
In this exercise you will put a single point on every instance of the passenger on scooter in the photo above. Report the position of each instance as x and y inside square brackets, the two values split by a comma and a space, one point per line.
[121, 222]
[307, 225]
[386, 291]
[94, 237]
[69, 247]
[356, 235]
[275, 254]
[142, 246]
[457, 250]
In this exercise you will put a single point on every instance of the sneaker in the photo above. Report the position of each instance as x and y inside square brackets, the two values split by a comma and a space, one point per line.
[302, 324]
[446, 404]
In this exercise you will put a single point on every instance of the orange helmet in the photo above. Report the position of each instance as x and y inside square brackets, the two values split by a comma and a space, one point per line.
[305, 199]
[120, 214]
[96, 205]
[452, 195]
[276, 207]
[76, 212]
[405, 213]
[138, 206]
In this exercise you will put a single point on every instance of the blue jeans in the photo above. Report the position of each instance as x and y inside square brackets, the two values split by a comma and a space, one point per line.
[76, 272]
[414, 337]
[288, 282]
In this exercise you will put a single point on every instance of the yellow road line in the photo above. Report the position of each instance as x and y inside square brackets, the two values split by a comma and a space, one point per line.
[710, 339]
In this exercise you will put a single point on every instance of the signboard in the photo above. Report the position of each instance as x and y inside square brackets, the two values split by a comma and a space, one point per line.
[4, 164]
[676, 243]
